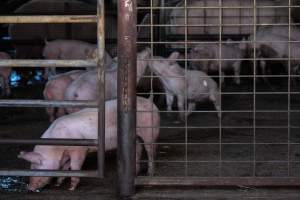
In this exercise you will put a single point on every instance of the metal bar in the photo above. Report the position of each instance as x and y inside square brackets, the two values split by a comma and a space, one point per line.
[215, 7]
[216, 25]
[254, 86]
[222, 181]
[220, 19]
[127, 35]
[47, 141]
[48, 19]
[47, 63]
[50, 173]
[289, 89]
[101, 77]
[46, 103]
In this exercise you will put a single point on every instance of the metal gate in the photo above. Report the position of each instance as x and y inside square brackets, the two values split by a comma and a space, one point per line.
[254, 140]
[100, 104]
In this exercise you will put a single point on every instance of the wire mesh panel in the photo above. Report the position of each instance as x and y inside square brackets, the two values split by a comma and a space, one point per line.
[224, 75]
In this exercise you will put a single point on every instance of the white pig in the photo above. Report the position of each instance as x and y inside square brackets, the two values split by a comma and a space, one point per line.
[198, 85]
[86, 86]
[212, 51]
[271, 45]
[68, 50]
[83, 125]
[55, 89]
[5, 75]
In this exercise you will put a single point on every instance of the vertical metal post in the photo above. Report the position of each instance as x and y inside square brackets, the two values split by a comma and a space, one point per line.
[127, 35]
[101, 76]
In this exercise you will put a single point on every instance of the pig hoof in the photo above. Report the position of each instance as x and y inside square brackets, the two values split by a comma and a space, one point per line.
[72, 188]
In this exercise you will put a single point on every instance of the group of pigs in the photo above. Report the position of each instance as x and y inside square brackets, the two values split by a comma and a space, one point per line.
[187, 86]
[272, 42]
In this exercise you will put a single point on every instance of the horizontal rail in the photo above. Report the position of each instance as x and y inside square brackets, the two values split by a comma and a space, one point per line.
[46, 103]
[47, 141]
[47, 63]
[49, 19]
[50, 173]
[213, 25]
[222, 181]
[214, 7]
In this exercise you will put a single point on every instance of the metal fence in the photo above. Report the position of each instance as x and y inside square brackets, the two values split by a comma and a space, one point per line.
[98, 62]
[255, 139]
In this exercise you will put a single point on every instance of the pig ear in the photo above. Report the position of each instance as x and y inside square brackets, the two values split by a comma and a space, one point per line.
[32, 157]
[175, 55]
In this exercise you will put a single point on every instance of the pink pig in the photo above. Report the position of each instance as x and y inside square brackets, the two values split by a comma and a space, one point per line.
[86, 86]
[83, 125]
[55, 90]
[68, 50]
[189, 86]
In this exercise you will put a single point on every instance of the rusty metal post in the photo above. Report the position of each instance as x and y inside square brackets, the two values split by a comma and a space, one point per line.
[127, 34]
[101, 76]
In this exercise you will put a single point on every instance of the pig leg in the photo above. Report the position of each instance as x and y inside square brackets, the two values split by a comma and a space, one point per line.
[180, 104]
[215, 98]
[263, 67]
[294, 71]
[150, 149]
[191, 107]
[139, 151]
[237, 72]
[77, 157]
[60, 180]
[60, 112]
[170, 99]
[50, 112]
[49, 71]
[222, 79]
[66, 164]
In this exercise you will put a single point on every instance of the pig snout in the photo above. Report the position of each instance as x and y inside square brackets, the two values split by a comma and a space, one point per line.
[36, 183]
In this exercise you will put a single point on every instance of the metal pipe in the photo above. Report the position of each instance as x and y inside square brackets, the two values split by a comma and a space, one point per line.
[46, 103]
[220, 181]
[101, 77]
[47, 141]
[50, 173]
[47, 63]
[127, 35]
[48, 19]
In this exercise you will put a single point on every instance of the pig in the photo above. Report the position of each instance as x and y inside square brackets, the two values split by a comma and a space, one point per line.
[86, 86]
[199, 86]
[267, 47]
[211, 51]
[55, 89]
[277, 30]
[68, 50]
[83, 125]
[5, 75]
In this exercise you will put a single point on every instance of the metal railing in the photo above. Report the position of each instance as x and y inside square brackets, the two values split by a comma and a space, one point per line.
[100, 104]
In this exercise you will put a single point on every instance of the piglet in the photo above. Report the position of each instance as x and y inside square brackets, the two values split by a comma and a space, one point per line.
[212, 51]
[83, 125]
[190, 85]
